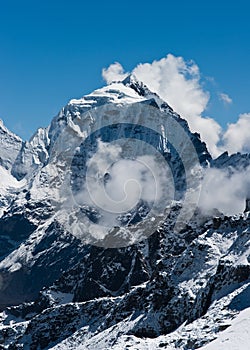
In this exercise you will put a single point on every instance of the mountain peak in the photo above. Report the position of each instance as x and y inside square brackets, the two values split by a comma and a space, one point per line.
[131, 79]
[130, 90]
[137, 85]
[12, 145]
[124, 92]
[5, 130]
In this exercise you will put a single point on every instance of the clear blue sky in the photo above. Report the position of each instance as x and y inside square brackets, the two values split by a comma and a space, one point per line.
[51, 51]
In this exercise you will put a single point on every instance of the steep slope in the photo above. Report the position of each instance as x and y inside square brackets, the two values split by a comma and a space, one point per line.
[8, 187]
[236, 336]
[32, 156]
[11, 145]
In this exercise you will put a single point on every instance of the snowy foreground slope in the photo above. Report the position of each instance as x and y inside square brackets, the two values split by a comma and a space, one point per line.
[236, 336]
[151, 281]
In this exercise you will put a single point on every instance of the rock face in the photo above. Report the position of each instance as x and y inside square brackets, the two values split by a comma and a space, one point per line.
[172, 289]
[10, 147]
[247, 209]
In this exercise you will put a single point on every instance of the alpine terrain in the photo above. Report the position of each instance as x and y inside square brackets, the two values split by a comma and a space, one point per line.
[103, 241]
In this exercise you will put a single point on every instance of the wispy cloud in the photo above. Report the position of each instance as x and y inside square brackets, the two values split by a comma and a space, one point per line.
[225, 98]
[224, 190]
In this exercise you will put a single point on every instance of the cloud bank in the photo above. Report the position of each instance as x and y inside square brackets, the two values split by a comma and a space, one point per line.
[225, 191]
[178, 82]
[237, 136]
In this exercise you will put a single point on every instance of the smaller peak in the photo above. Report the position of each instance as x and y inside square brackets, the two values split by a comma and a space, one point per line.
[6, 131]
[2, 126]
[134, 83]
[143, 91]
[131, 79]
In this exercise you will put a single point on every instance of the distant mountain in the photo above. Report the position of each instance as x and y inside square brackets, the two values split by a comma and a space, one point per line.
[10, 146]
[173, 279]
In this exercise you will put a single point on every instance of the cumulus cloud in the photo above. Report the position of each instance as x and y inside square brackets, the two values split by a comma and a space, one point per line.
[114, 72]
[225, 98]
[225, 191]
[237, 136]
[178, 82]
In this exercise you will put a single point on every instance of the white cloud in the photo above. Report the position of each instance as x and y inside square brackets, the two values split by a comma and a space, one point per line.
[116, 185]
[225, 98]
[178, 83]
[128, 180]
[114, 72]
[225, 192]
[237, 136]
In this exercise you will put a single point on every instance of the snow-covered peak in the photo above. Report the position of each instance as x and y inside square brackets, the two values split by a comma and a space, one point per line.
[117, 93]
[10, 146]
[137, 85]
[4, 130]
[130, 90]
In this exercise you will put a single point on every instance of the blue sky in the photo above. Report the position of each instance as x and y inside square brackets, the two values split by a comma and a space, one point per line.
[54, 51]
